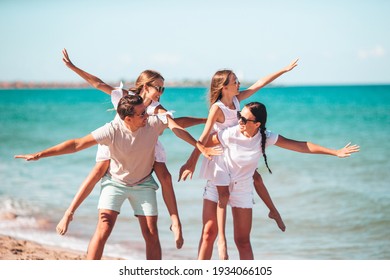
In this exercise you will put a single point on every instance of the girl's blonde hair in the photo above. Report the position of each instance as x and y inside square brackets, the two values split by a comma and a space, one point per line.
[219, 80]
[147, 77]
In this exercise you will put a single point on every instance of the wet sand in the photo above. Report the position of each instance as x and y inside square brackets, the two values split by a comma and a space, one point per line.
[15, 249]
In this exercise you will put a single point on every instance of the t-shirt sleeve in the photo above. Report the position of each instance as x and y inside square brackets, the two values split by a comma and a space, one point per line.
[104, 134]
[271, 138]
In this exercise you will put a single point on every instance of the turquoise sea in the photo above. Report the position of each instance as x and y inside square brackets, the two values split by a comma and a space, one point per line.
[333, 208]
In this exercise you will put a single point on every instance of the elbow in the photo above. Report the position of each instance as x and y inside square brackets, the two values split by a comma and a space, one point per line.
[98, 85]
[96, 82]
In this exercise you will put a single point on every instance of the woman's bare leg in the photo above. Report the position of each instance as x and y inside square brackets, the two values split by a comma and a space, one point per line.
[209, 230]
[242, 223]
[223, 198]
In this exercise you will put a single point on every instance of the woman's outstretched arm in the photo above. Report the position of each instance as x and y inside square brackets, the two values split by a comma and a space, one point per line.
[311, 148]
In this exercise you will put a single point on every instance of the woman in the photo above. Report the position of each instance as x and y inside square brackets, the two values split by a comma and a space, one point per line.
[146, 87]
[224, 104]
[243, 146]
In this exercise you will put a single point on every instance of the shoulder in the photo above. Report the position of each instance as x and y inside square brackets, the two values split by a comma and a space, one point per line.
[236, 103]
[105, 130]
[151, 110]
[216, 108]
[157, 121]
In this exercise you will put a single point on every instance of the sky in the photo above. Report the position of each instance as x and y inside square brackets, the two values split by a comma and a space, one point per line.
[336, 41]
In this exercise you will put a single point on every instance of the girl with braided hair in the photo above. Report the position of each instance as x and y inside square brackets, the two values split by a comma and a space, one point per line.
[224, 99]
[244, 144]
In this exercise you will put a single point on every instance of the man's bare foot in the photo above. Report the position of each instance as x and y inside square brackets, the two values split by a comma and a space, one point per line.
[222, 250]
[176, 229]
[62, 226]
[278, 220]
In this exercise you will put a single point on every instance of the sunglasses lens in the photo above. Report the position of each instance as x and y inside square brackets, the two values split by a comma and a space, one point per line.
[241, 118]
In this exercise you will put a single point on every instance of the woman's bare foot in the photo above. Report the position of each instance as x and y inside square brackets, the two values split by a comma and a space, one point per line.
[222, 250]
[62, 226]
[278, 220]
[176, 229]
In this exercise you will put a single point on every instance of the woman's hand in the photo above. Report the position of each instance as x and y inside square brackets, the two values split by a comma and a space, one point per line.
[347, 150]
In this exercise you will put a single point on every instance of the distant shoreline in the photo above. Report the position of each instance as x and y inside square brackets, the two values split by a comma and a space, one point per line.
[57, 85]
[178, 84]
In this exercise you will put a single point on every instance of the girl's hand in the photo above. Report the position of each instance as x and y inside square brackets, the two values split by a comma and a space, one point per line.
[187, 170]
[66, 59]
[292, 65]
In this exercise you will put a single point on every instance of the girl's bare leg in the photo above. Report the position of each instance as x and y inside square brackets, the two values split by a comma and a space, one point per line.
[85, 189]
[223, 196]
[169, 197]
[264, 195]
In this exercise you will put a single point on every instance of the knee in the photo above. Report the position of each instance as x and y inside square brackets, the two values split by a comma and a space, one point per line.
[210, 233]
[104, 230]
[242, 242]
[105, 224]
[151, 234]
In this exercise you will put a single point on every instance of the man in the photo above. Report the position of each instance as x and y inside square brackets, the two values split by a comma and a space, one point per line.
[131, 141]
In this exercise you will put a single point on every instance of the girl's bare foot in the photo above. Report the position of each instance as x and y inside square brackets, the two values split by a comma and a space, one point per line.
[278, 220]
[222, 250]
[62, 226]
[176, 229]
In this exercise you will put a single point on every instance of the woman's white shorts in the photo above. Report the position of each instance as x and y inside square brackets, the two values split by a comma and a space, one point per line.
[241, 193]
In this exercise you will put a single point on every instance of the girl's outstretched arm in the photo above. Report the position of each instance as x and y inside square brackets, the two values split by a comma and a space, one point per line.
[186, 136]
[89, 78]
[311, 148]
[189, 121]
[184, 122]
[265, 81]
